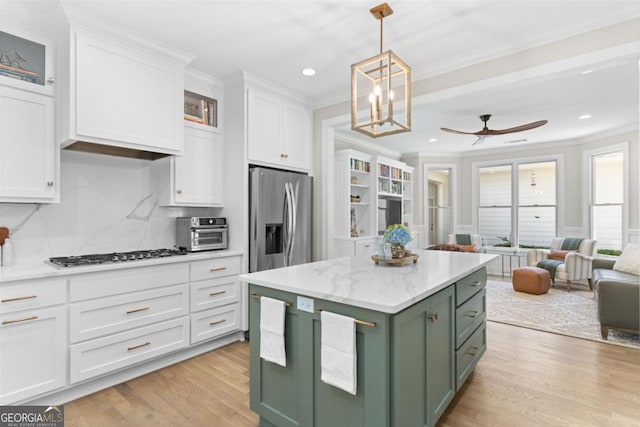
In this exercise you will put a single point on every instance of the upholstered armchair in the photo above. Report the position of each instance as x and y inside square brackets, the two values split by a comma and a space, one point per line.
[576, 264]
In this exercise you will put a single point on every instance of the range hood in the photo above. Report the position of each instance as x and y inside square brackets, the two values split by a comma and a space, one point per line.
[113, 150]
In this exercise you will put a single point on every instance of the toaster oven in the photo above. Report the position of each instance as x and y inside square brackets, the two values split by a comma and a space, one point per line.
[196, 233]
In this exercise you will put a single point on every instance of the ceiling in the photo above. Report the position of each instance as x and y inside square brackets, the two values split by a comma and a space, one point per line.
[277, 39]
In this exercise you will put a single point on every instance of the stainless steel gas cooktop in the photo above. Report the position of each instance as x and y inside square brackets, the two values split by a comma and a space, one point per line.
[74, 261]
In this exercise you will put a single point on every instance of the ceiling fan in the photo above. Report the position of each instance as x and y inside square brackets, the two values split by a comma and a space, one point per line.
[486, 132]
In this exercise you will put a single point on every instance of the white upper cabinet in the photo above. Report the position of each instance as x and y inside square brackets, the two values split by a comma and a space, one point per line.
[124, 92]
[196, 177]
[279, 131]
[29, 160]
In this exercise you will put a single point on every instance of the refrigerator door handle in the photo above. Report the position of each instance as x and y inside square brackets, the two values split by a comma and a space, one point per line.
[288, 223]
[294, 216]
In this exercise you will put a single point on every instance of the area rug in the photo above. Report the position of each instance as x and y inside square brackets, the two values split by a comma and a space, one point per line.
[558, 311]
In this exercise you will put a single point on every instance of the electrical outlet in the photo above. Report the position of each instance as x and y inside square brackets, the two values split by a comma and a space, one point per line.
[305, 304]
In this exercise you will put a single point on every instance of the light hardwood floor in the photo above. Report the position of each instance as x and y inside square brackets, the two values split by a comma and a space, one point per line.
[526, 378]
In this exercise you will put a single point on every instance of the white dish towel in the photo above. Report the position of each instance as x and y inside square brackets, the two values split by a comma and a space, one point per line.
[272, 312]
[338, 356]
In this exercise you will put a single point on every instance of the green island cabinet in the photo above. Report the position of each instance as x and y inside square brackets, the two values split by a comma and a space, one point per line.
[409, 365]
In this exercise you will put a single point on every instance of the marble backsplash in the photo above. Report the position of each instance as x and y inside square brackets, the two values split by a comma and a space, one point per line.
[107, 204]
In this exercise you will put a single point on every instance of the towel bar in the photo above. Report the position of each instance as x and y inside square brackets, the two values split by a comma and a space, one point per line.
[256, 296]
[358, 321]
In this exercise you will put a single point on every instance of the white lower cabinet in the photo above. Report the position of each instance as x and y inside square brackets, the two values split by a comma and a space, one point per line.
[61, 338]
[215, 298]
[91, 319]
[215, 322]
[33, 339]
[116, 351]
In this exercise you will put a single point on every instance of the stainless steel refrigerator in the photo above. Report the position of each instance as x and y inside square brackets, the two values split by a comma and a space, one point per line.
[279, 218]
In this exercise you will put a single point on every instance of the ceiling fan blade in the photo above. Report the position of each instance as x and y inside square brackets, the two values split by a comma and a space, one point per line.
[519, 128]
[458, 131]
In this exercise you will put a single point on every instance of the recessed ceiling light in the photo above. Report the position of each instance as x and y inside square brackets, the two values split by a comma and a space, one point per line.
[433, 140]
[308, 72]
[586, 72]
[585, 116]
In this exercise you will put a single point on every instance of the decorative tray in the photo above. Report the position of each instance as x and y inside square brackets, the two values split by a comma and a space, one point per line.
[395, 261]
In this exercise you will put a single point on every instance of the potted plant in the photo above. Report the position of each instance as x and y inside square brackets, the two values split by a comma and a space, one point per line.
[398, 236]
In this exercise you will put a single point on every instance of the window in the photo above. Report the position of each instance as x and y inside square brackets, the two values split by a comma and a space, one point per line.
[494, 210]
[536, 204]
[607, 200]
[517, 203]
[439, 202]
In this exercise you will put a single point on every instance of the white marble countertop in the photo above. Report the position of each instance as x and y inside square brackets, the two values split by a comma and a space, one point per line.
[357, 281]
[45, 269]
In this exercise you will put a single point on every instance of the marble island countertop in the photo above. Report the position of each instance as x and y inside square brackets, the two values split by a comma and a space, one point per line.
[357, 281]
[45, 269]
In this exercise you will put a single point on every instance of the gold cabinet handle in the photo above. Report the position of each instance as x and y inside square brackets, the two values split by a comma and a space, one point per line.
[144, 344]
[212, 269]
[179, 191]
[472, 313]
[9, 322]
[215, 322]
[286, 156]
[475, 284]
[49, 183]
[212, 294]
[433, 317]
[136, 310]
[473, 353]
[19, 298]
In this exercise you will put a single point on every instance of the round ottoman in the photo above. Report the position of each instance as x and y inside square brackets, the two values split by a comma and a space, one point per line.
[532, 280]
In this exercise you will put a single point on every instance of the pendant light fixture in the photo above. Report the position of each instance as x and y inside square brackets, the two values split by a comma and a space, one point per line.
[381, 90]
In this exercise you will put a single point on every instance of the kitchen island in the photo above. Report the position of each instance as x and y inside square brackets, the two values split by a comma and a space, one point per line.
[421, 334]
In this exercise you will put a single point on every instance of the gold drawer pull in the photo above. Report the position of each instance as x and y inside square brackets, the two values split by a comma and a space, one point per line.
[212, 294]
[215, 322]
[138, 346]
[475, 284]
[19, 298]
[433, 317]
[8, 322]
[136, 310]
[473, 314]
[473, 353]
[217, 269]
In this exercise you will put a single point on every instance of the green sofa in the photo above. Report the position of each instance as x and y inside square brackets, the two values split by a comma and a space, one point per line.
[617, 296]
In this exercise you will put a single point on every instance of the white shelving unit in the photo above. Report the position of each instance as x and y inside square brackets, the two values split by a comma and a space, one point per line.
[355, 200]
[407, 196]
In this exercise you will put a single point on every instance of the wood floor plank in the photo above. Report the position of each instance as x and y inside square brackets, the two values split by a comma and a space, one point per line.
[526, 378]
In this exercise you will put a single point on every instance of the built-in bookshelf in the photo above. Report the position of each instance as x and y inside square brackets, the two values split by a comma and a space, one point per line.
[200, 109]
[389, 177]
[407, 196]
[355, 199]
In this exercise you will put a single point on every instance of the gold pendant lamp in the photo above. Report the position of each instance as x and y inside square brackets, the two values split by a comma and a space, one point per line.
[381, 90]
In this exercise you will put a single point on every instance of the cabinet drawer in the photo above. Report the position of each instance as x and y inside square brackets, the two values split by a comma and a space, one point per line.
[470, 315]
[103, 355]
[469, 354]
[95, 285]
[33, 294]
[94, 318]
[215, 322]
[211, 293]
[468, 286]
[366, 247]
[218, 267]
